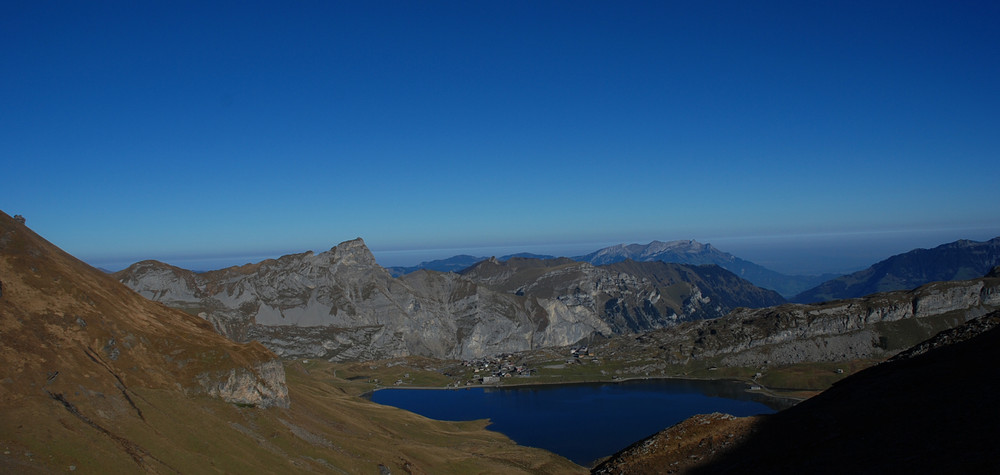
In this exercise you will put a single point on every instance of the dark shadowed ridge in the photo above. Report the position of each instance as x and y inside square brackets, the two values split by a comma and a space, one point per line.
[953, 261]
[931, 409]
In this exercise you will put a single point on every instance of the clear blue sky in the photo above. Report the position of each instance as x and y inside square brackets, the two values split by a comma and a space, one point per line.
[191, 130]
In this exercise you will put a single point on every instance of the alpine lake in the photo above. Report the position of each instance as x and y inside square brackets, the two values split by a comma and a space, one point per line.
[583, 422]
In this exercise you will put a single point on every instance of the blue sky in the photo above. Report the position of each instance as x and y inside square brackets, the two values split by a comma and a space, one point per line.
[234, 131]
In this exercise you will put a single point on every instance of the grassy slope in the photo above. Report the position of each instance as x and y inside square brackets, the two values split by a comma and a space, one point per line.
[328, 429]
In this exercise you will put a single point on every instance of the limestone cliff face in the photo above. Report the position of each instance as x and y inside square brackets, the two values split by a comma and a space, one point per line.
[876, 326]
[341, 305]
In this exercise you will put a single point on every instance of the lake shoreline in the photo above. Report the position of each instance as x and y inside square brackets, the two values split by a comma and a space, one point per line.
[791, 400]
[613, 415]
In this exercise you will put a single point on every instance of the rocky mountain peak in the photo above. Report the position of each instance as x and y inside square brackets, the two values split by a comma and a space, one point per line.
[689, 245]
[150, 265]
[686, 251]
[352, 256]
[353, 253]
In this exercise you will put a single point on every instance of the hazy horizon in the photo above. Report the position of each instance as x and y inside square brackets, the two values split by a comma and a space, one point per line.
[835, 253]
[798, 135]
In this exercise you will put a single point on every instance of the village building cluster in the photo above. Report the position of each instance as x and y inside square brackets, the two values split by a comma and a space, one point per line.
[492, 369]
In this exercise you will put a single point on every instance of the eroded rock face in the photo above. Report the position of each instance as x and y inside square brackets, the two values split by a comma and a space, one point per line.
[340, 305]
[263, 385]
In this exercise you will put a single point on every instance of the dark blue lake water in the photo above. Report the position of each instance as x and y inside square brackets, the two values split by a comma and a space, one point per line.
[583, 422]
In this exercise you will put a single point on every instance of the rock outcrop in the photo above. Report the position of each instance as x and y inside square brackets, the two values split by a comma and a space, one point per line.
[262, 384]
[341, 305]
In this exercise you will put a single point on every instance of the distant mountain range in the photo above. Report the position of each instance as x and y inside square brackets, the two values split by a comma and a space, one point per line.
[953, 261]
[680, 252]
[694, 252]
[456, 263]
[959, 260]
[341, 305]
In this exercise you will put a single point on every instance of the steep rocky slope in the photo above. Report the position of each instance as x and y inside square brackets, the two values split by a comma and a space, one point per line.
[341, 305]
[873, 327]
[694, 252]
[79, 345]
[58, 312]
[954, 261]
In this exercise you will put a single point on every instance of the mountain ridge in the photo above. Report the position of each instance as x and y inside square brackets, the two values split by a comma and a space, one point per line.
[873, 327]
[679, 251]
[340, 304]
[958, 260]
[456, 263]
[693, 252]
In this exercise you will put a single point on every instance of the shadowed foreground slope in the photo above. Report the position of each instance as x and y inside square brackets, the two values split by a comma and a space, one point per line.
[931, 409]
[97, 379]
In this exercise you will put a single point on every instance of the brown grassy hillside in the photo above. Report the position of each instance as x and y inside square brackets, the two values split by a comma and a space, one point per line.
[96, 379]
